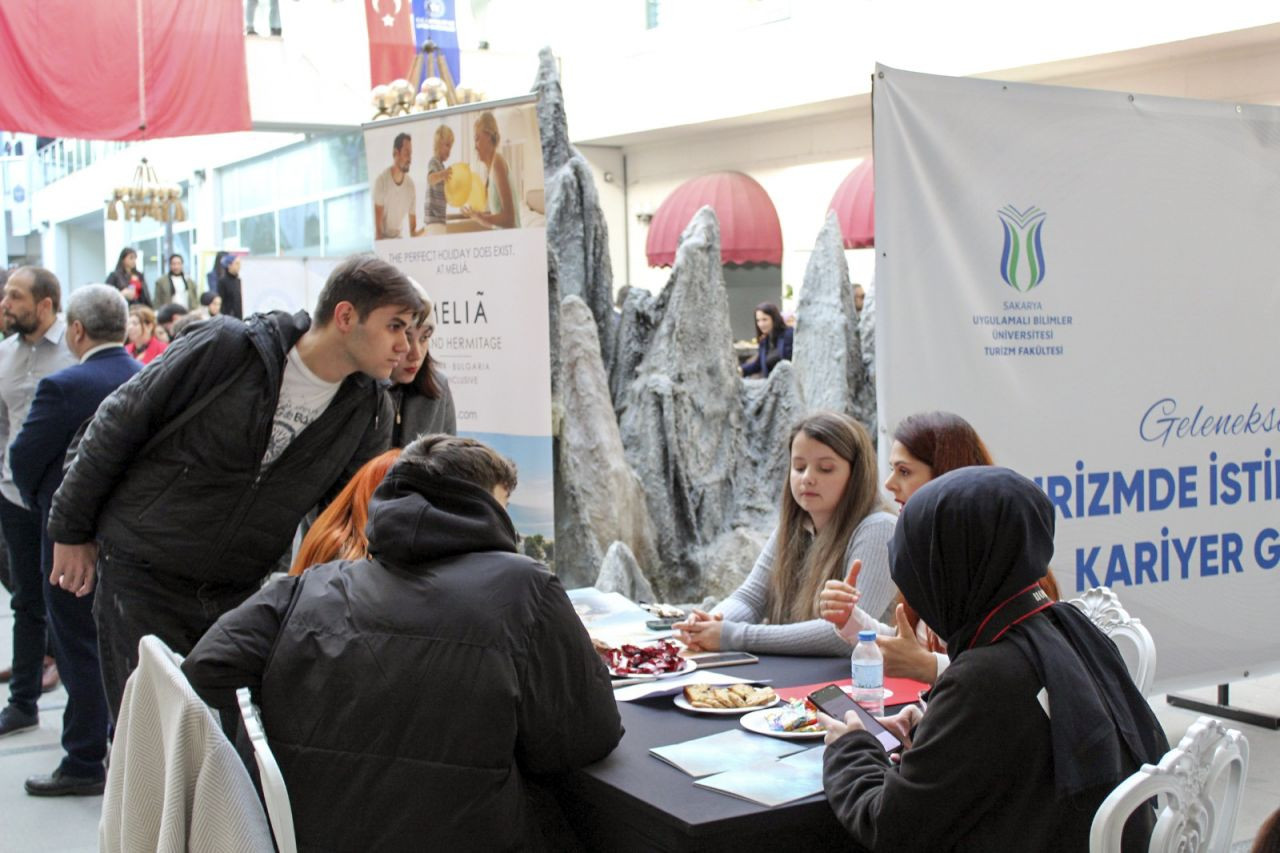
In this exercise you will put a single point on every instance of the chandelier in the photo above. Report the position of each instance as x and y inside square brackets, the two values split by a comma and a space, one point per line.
[147, 197]
[397, 98]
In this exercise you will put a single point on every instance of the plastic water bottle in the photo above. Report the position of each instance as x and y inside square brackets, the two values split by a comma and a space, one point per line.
[868, 673]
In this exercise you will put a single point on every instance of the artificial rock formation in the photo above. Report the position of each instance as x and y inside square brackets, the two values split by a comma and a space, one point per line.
[827, 352]
[641, 312]
[770, 408]
[682, 423]
[599, 499]
[576, 230]
[621, 573]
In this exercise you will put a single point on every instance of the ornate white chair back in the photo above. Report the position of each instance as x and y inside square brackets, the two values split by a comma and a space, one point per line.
[273, 789]
[1137, 647]
[1197, 786]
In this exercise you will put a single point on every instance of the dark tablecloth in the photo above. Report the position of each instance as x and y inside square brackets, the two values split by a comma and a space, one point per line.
[633, 801]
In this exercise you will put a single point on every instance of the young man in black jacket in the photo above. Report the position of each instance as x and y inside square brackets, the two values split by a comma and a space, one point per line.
[192, 477]
[426, 688]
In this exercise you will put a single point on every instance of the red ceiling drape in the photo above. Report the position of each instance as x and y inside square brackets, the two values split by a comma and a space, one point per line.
[122, 69]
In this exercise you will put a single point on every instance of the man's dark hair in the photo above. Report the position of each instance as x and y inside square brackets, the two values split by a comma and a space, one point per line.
[465, 458]
[176, 255]
[169, 313]
[44, 285]
[368, 283]
[401, 139]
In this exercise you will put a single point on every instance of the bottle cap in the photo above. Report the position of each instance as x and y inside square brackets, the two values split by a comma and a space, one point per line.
[866, 636]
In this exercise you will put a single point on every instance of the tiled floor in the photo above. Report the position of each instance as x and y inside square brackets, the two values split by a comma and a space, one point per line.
[70, 824]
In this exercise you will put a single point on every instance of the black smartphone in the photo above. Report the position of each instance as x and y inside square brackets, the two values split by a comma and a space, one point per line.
[834, 702]
[662, 624]
[723, 659]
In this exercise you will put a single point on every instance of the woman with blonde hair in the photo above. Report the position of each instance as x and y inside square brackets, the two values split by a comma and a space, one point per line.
[339, 532]
[831, 516]
[499, 195]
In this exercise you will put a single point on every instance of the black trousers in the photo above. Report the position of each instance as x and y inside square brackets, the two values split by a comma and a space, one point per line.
[75, 646]
[134, 599]
[22, 531]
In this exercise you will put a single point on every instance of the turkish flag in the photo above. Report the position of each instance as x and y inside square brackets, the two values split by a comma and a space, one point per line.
[391, 45]
[122, 69]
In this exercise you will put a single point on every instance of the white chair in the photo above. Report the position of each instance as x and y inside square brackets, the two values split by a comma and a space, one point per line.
[1103, 608]
[273, 789]
[1197, 787]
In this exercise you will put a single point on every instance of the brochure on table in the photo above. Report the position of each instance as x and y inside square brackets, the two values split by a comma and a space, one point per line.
[772, 783]
[731, 750]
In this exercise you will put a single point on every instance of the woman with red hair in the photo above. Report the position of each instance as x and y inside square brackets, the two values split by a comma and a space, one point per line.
[338, 533]
[925, 446]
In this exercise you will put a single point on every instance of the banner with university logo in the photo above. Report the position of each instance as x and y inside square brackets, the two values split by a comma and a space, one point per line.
[457, 205]
[435, 21]
[1089, 278]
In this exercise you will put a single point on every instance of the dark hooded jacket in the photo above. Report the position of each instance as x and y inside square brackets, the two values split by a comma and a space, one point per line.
[1025, 733]
[199, 505]
[407, 697]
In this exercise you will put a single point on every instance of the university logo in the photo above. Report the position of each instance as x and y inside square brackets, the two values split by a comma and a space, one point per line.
[1022, 262]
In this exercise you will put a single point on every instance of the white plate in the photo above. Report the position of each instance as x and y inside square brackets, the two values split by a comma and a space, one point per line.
[689, 666]
[682, 702]
[755, 722]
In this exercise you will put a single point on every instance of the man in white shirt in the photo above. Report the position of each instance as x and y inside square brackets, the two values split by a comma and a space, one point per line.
[393, 194]
[32, 298]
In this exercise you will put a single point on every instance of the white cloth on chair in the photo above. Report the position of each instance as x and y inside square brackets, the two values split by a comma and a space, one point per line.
[175, 782]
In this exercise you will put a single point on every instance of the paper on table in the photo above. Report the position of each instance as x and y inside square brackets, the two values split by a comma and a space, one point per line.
[729, 750]
[768, 783]
[672, 686]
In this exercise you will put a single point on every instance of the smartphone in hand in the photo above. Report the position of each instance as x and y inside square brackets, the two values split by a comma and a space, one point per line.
[834, 702]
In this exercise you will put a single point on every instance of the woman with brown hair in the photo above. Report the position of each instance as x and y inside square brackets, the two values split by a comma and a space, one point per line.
[925, 446]
[339, 532]
[831, 516]
[500, 199]
[419, 390]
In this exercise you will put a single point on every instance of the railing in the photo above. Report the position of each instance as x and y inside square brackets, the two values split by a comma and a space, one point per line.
[62, 157]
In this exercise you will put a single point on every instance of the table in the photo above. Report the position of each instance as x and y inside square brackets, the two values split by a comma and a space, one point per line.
[633, 801]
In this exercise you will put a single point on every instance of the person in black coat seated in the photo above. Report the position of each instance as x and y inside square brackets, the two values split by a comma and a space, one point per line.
[1035, 721]
[229, 288]
[773, 337]
[424, 689]
[96, 318]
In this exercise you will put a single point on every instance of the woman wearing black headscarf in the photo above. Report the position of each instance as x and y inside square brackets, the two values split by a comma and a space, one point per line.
[1036, 719]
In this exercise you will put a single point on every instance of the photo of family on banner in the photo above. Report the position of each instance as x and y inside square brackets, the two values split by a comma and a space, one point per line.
[458, 204]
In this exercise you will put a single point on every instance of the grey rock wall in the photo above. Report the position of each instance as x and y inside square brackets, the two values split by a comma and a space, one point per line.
[577, 233]
[682, 422]
[622, 574]
[864, 399]
[599, 499]
[827, 353]
[769, 408]
[641, 312]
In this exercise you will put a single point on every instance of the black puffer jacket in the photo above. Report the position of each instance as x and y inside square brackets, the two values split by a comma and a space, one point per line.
[199, 505]
[407, 696]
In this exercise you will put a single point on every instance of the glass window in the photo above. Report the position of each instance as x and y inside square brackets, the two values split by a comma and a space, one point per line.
[300, 229]
[343, 161]
[348, 224]
[297, 172]
[149, 259]
[230, 233]
[248, 186]
[258, 233]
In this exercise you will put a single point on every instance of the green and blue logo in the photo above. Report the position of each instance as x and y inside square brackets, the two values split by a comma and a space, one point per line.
[1022, 262]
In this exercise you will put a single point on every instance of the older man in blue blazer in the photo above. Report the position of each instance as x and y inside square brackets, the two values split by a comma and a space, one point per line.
[97, 316]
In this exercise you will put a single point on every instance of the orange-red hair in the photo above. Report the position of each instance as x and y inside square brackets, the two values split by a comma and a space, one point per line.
[338, 533]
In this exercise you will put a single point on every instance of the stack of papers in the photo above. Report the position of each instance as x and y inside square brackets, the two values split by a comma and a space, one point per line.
[676, 684]
[729, 750]
[772, 783]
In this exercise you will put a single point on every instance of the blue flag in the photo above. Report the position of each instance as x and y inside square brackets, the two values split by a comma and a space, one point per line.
[434, 21]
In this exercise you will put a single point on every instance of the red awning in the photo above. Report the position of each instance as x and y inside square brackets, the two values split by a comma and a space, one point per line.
[749, 228]
[122, 69]
[855, 207]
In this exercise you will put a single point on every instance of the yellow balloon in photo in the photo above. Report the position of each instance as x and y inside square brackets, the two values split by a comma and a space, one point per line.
[457, 187]
[479, 200]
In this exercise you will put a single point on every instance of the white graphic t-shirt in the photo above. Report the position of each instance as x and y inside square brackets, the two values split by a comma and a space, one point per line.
[396, 201]
[303, 397]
